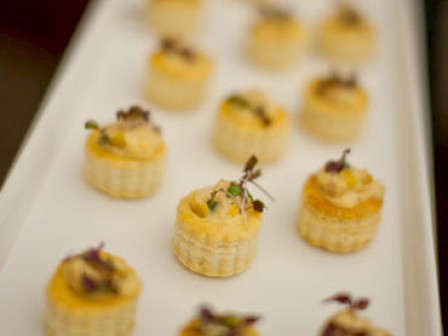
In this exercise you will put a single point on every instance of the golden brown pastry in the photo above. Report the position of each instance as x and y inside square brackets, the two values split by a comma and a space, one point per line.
[125, 159]
[178, 76]
[334, 109]
[92, 294]
[347, 37]
[251, 123]
[276, 40]
[175, 18]
[341, 207]
[217, 227]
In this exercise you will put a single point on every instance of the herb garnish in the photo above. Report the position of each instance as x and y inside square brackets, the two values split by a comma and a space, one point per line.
[350, 82]
[259, 110]
[349, 15]
[171, 45]
[133, 117]
[339, 165]
[346, 299]
[239, 193]
[274, 13]
[105, 267]
[228, 325]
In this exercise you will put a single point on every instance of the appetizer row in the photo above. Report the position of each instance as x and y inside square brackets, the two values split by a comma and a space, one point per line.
[334, 107]
[340, 211]
[95, 293]
[277, 38]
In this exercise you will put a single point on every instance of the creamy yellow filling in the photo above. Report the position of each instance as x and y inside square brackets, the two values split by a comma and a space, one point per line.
[352, 322]
[75, 269]
[226, 212]
[139, 143]
[198, 67]
[246, 114]
[349, 187]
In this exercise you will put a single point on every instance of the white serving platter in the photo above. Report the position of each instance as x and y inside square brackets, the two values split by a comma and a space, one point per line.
[48, 211]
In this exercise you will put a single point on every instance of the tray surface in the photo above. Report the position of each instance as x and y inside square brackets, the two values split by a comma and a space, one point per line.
[61, 214]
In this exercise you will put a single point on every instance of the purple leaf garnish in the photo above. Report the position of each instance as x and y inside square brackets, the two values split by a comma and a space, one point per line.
[346, 299]
[249, 320]
[206, 314]
[340, 298]
[258, 206]
[88, 284]
[360, 304]
[134, 113]
[338, 166]
[233, 323]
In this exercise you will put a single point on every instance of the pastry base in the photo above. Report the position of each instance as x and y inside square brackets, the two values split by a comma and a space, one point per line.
[340, 236]
[68, 314]
[238, 143]
[173, 18]
[174, 93]
[344, 46]
[330, 127]
[111, 322]
[123, 178]
[274, 56]
[213, 258]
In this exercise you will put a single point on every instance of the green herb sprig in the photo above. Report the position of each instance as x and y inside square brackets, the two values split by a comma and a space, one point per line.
[239, 193]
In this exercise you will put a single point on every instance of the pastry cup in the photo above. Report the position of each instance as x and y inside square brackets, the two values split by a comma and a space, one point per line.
[177, 85]
[119, 176]
[211, 249]
[191, 329]
[69, 314]
[333, 228]
[347, 322]
[331, 121]
[276, 44]
[238, 139]
[174, 18]
[352, 44]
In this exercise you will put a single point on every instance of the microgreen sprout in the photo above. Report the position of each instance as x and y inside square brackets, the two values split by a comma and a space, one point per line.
[239, 193]
[339, 165]
[133, 114]
[133, 117]
[352, 303]
[229, 324]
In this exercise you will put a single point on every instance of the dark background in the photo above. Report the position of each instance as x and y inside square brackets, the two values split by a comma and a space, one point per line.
[34, 35]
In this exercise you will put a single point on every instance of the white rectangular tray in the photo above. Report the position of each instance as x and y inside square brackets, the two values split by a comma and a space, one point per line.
[48, 211]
